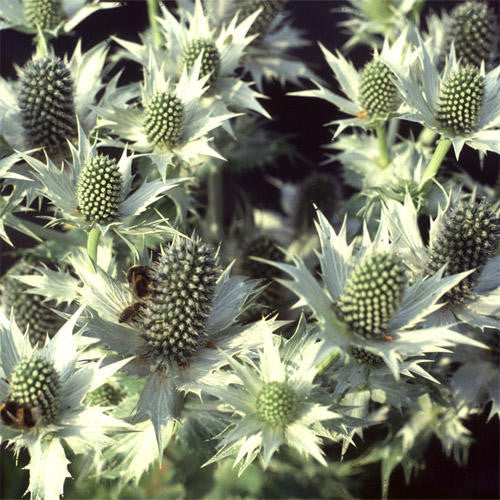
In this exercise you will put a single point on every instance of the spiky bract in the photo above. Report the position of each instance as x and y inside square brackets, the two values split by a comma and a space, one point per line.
[183, 287]
[35, 382]
[210, 61]
[46, 14]
[99, 189]
[472, 30]
[460, 100]
[165, 118]
[317, 190]
[378, 94]
[270, 9]
[468, 238]
[372, 295]
[277, 404]
[46, 102]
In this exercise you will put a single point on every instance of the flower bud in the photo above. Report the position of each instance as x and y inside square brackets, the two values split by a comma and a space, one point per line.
[277, 404]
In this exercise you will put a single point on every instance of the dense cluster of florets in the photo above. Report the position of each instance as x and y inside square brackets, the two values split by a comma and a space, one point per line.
[277, 404]
[106, 395]
[316, 192]
[460, 100]
[472, 30]
[99, 189]
[35, 383]
[182, 291]
[46, 14]
[365, 357]
[263, 247]
[31, 311]
[372, 295]
[270, 9]
[210, 61]
[468, 238]
[378, 94]
[46, 102]
[165, 118]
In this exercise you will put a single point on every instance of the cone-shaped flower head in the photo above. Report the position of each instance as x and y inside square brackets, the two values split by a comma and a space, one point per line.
[31, 311]
[165, 119]
[210, 61]
[183, 288]
[277, 404]
[471, 29]
[460, 100]
[467, 239]
[263, 247]
[99, 189]
[378, 94]
[46, 14]
[46, 102]
[372, 295]
[270, 9]
[35, 383]
[321, 190]
[106, 395]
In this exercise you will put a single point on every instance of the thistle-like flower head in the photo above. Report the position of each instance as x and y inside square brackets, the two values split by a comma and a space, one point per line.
[378, 94]
[463, 238]
[365, 304]
[46, 14]
[472, 29]
[274, 402]
[183, 290]
[210, 60]
[467, 239]
[94, 189]
[269, 9]
[51, 16]
[371, 96]
[41, 397]
[264, 247]
[46, 100]
[460, 101]
[32, 312]
[99, 189]
[173, 326]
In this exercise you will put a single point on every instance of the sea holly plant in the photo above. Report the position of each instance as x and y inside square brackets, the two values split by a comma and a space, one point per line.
[196, 300]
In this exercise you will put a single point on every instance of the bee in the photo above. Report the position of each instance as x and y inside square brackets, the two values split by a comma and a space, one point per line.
[139, 279]
[130, 312]
[19, 415]
[78, 209]
[362, 114]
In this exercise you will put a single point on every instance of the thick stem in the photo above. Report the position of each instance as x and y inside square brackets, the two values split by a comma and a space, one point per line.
[384, 159]
[41, 44]
[427, 136]
[215, 202]
[93, 242]
[327, 362]
[437, 158]
[153, 21]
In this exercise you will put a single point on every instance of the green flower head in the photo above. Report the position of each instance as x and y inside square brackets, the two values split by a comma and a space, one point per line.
[467, 239]
[270, 9]
[472, 29]
[46, 14]
[46, 102]
[277, 404]
[460, 100]
[210, 61]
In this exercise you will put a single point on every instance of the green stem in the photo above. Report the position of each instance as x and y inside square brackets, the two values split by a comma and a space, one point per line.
[153, 21]
[427, 136]
[384, 158]
[437, 158]
[41, 44]
[328, 361]
[215, 203]
[93, 242]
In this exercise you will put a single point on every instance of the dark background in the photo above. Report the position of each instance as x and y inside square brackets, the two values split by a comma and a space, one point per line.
[303, 117]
